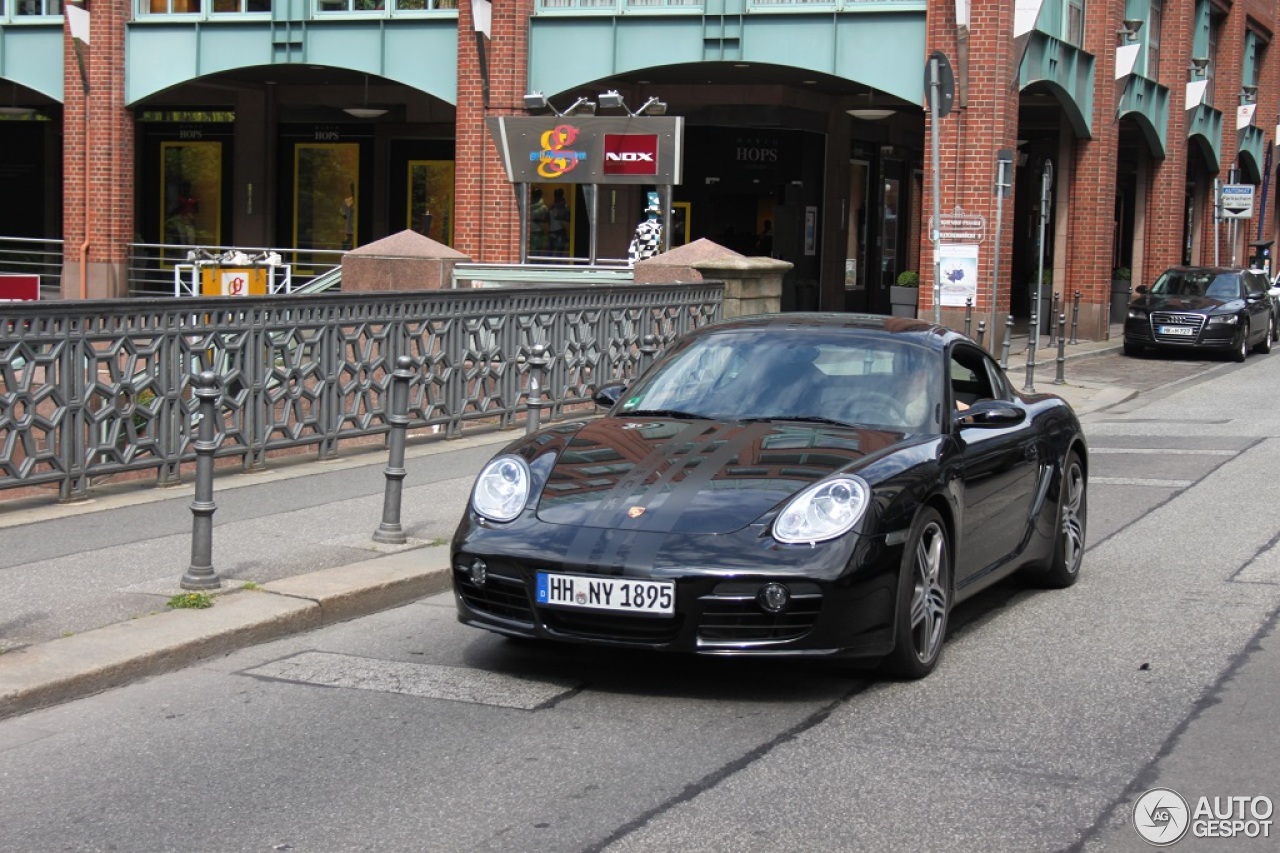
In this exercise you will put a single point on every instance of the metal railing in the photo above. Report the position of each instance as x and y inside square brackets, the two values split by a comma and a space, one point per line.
[496, 275]
[151, 265]
[96, 388]
[33, 256]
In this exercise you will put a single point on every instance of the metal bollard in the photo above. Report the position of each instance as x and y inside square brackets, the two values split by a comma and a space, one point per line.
[1062, 350]
[1075, 318]
[648, 351]
[968, 316]
[1053, 313]
[200, 574]
[537, 367]
[1008, 338]
[390, 532]
[1029, 385]
[982, 331]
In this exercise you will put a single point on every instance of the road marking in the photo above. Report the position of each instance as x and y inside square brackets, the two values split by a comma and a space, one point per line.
[1139, 481]
[1153, 451]
[456, 684]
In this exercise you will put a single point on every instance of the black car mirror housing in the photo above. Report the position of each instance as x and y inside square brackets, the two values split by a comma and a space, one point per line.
[991, 414]
[608, 395]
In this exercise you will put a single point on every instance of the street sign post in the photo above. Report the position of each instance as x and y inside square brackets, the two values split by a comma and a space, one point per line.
[940, 90]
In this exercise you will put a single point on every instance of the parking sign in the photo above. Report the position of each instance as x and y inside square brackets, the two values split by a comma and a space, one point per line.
[1237, 201]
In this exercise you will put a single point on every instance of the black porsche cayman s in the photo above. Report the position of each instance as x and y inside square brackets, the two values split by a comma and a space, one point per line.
[809, 485]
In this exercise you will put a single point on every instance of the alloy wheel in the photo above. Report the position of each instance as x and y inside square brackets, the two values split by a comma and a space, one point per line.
[929, 592]
[1072, 520]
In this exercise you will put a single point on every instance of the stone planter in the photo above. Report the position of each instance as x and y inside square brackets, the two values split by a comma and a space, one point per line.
[903, 301]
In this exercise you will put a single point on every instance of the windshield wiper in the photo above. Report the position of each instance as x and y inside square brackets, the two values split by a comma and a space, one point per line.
[663, 413]
[808, 419]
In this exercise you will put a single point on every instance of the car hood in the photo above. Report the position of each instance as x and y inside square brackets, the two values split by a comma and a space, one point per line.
[693, 476]
[1198, 304]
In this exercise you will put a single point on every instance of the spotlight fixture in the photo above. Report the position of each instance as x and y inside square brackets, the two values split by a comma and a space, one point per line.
[581, 107]
[364, 110]
[1249, 93]
[613, 100]
[652, 107]
[536, 102]
[1130, 29]
[1199, 64]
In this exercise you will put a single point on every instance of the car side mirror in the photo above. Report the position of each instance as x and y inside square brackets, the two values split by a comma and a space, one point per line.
[1142, 288]
[991, 414]
[608, 395]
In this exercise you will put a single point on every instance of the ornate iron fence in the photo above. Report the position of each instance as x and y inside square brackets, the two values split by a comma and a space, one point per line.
[89, 389]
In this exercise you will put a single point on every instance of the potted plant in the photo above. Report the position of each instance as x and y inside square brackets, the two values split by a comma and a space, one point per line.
[904, 294]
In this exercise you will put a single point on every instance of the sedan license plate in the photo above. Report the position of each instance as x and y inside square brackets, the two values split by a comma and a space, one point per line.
[1177, 330]
[617, 594]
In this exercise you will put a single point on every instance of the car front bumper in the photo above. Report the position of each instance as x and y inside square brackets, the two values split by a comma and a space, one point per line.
[833, 611]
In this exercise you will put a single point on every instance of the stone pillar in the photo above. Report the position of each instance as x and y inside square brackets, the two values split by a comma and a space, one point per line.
[404, 261]
[751, 285]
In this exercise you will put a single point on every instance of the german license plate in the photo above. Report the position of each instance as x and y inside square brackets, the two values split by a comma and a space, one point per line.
[617, 594]
[1177, 330]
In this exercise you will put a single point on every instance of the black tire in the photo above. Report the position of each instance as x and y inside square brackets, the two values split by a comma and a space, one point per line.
[1071, 523]
[924, 598]
[1133, 350]
[1264, 346]
[1241, 351]
[1275, 329]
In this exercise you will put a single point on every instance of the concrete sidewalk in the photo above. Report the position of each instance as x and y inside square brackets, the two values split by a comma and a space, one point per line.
[69, 667]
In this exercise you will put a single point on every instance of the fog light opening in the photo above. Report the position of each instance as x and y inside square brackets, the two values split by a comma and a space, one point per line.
[479, 572]
[773, 598]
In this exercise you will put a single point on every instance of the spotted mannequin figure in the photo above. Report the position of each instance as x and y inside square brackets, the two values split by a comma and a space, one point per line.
[647, 241]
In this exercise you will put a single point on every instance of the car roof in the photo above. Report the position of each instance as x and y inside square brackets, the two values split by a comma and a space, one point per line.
[922, 332]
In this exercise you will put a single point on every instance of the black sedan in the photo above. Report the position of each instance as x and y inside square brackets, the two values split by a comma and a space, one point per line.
[1202, 308]
[806, 485]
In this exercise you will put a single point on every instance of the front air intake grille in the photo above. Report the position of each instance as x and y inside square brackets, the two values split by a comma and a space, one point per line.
[739, 619]
[611, 626]
[502, 598]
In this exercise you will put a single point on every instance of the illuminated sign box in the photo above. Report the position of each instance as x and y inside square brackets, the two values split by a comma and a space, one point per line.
[590, 149]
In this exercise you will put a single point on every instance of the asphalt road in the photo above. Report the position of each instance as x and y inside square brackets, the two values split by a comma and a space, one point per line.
[1050, 713]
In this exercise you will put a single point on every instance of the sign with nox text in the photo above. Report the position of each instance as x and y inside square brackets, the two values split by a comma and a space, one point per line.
[590, 149]
[1237, 201]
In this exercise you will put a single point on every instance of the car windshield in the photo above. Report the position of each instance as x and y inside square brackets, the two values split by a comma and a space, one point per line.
[823, 377]
[1222, 286]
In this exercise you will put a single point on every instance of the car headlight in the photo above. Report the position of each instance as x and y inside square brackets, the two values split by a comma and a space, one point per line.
[1223, 320]
[1137, 314]
[502, 489]
[823, 511]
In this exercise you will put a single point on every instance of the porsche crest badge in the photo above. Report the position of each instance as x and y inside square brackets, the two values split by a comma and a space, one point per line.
[635, 512]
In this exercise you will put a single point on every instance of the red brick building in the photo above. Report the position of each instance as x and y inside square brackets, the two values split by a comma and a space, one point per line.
[805, 136]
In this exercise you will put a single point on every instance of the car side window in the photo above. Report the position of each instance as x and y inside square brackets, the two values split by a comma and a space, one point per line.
[971, 378]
